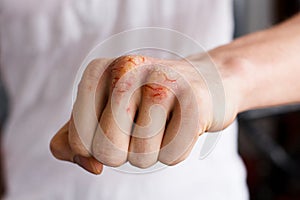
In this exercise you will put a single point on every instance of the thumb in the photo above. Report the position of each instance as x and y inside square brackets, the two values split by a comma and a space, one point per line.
[60, 149]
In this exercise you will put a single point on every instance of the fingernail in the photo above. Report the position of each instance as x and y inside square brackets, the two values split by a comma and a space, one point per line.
[87, 164]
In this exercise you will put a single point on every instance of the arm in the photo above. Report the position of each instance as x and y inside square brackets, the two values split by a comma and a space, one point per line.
[265, 65]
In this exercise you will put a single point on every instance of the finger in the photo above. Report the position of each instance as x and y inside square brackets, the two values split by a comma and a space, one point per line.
[148, 132]
[111, 140]
[91, 99]
[61, 150]
[181, 134]
[59, 145]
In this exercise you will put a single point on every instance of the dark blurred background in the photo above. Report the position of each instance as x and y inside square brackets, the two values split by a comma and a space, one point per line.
[269, 139]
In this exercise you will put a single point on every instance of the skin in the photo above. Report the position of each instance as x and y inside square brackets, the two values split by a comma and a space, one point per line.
[258, 70]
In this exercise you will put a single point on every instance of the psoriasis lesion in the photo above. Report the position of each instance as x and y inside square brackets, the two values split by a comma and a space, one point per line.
[157, 82]
[124, 64]
[159, 85]
[156, 92]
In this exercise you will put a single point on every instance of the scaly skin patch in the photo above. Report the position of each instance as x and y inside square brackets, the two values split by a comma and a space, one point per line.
[122, 65]
[156, 92]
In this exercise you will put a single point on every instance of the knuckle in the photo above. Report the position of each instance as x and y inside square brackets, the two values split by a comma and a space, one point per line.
[159, 85]
[156, 92]
[120, 66]
[125, 63]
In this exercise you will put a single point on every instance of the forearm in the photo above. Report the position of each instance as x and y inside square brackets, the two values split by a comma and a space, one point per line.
[264, 66]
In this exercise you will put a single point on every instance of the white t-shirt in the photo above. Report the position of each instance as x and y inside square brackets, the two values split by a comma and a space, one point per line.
[43, 43]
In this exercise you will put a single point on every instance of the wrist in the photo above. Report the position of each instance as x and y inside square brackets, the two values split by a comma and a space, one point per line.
[235, 72]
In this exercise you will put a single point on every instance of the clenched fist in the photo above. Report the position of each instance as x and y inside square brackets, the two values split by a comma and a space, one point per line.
[144, 110]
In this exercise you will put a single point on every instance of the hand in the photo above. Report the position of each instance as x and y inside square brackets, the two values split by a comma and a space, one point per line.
[143, 110]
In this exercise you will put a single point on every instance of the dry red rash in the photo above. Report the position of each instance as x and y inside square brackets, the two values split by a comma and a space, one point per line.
[122, 65]
[156, 91]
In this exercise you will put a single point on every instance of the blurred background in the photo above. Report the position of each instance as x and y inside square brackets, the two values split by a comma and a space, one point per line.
[269, 139]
